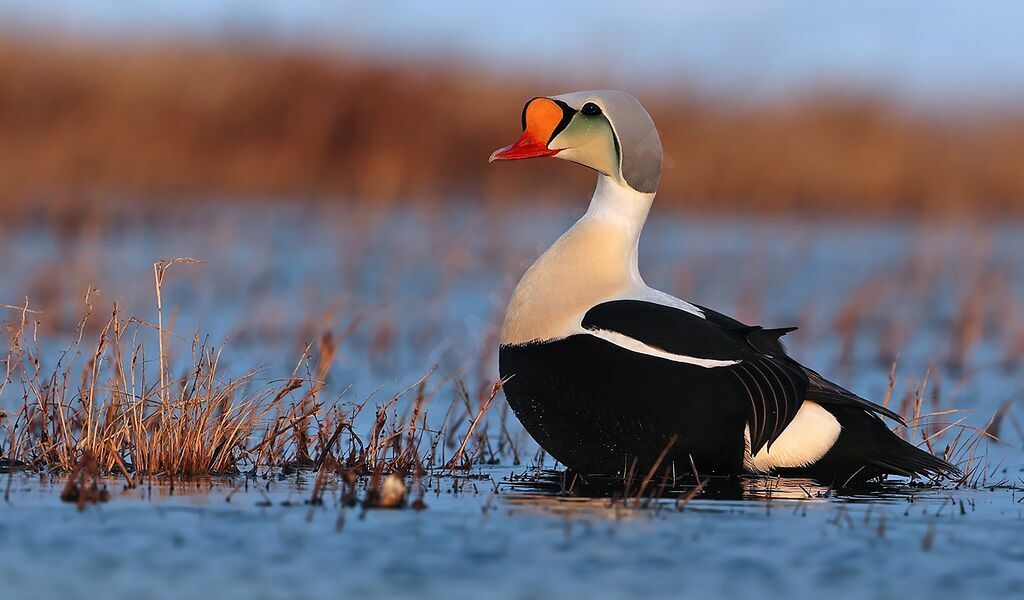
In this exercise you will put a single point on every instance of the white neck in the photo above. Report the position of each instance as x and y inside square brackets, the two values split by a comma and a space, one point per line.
[594, 261]
[623, 207]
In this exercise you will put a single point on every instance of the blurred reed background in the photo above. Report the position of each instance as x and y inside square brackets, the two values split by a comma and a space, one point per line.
[84, 119]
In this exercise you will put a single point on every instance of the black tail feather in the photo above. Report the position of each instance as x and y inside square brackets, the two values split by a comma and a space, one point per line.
[911, 461]
[866, 448]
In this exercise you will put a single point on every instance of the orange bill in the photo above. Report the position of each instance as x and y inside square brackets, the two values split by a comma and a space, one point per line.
[540, 119]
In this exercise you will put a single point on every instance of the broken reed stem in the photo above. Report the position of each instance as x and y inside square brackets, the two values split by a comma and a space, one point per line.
[158, 276]
[693, 493]
[453, 463]
[654, 468]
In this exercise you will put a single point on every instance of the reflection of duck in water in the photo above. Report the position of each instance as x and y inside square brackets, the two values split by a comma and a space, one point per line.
[604, 369]
[547, 488]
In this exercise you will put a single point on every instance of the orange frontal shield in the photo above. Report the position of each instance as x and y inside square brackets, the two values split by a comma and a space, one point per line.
[540, 118]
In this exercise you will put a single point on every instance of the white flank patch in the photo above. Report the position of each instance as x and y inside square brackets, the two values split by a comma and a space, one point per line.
[811, 433]
[633, 345]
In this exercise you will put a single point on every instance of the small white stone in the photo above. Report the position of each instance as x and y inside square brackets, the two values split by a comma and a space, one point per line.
[392, 491]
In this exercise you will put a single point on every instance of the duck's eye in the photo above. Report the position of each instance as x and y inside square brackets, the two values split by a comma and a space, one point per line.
[590, 109]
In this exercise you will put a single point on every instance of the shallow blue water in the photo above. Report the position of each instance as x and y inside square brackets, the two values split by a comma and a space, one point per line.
[505, 544]
[429, 287]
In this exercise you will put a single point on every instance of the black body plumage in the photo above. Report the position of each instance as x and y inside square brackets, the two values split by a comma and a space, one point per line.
[596, 406]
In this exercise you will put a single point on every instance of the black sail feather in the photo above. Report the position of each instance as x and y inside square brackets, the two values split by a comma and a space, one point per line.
[768, 341]
[775, 393]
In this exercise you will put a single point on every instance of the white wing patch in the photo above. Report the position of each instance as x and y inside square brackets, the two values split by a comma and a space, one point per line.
[634, 345]
[811, 433]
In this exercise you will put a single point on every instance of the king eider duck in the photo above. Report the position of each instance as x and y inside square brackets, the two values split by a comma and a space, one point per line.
[608, 374]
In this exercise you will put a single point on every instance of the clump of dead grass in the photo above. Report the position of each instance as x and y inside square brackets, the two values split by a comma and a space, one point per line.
[83, 485]
[104, 408]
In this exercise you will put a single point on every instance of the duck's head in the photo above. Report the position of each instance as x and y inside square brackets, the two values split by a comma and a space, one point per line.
[606, 130]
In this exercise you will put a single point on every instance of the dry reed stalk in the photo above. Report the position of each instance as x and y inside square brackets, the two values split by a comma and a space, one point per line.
[137, 424]
[891, 384]
[690, 495]
[654, 469]
[128, 425]
[457, 462]
[409, 456]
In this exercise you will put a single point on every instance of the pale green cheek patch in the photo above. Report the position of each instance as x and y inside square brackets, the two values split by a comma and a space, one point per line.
[589, 141]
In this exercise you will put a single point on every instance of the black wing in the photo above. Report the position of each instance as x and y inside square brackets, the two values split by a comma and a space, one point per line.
[774, 385]
[819, 389]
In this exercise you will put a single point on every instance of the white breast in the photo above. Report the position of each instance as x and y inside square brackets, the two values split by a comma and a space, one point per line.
[595, 261]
